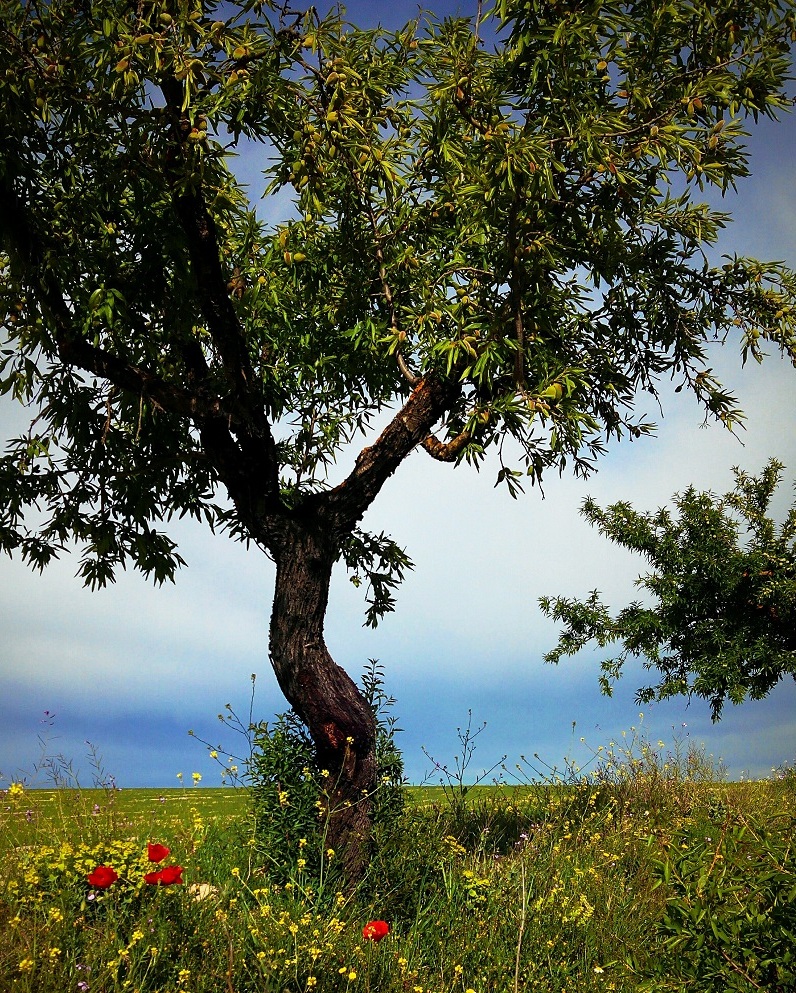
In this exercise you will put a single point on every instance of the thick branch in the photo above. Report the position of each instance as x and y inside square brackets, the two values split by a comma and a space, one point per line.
[427, 402]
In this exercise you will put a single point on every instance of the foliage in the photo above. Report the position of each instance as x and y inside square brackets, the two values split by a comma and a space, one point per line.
[722, 621]
[451, 210]
[730, 921]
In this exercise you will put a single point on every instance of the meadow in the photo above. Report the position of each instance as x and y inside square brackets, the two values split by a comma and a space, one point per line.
[648, 872]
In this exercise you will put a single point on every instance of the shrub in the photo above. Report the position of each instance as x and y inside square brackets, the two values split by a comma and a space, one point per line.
[287, 787]
[730, 920]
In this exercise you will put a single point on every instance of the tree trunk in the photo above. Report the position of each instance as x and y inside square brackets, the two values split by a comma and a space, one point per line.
[321, 693]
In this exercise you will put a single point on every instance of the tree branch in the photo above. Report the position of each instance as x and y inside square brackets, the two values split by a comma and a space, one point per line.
[427, 402]
[445, 452]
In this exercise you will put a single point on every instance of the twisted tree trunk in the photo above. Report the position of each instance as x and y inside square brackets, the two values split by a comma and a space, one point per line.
[321, 693]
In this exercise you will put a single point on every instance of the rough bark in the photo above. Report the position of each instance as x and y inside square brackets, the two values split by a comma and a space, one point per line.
[321, 693]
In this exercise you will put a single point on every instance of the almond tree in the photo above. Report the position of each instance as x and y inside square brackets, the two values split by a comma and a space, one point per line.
[485, 247]
[719, 621]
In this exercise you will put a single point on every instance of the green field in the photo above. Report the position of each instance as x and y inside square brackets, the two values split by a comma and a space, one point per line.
[649, 880]
[149, 811]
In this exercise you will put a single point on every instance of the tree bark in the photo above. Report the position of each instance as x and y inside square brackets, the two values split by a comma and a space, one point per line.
[326, 699]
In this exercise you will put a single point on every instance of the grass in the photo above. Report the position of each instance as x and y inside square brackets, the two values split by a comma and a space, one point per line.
[576, 885]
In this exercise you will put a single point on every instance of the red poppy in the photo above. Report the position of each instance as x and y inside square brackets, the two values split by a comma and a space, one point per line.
[165, 877]
[156, 853]
[102, 877]
[375, 930]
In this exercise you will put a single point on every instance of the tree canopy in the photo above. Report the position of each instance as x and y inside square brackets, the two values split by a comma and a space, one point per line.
[720, 621]
[487, 247]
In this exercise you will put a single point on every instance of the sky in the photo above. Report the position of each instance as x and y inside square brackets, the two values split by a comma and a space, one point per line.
[119, 676]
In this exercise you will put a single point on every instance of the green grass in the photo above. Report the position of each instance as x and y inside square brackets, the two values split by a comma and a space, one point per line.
[68, 812]
[575, 887]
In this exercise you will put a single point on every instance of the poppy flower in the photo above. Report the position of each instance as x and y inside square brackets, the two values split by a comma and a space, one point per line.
[375, 930]
[102, 877]
[156, 853]
[166, 876]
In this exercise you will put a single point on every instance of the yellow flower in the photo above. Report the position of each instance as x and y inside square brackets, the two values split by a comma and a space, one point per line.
[16, 790]
[196, 777]
[214, 754]
[352, 976]
[235, 872]
[26, 964]
[311, 981]
[184, 975]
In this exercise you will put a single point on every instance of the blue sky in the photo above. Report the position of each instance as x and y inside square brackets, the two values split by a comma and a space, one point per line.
[133, 668]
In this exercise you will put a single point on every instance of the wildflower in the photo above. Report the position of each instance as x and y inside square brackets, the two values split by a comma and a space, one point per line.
[352, 976]
[166, 876]
[82, 986]
[311, 981]
[156, 853]
[214, 754]
[102, 877]
[598, 969]
[235, 872]
[15, 790]
[196, 777]
[375, 930]
[26, 964]
[29, 816]
[184, 975]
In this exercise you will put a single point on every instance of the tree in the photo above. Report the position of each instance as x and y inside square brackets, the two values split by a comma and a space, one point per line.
[485, 249]
[722, 622]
